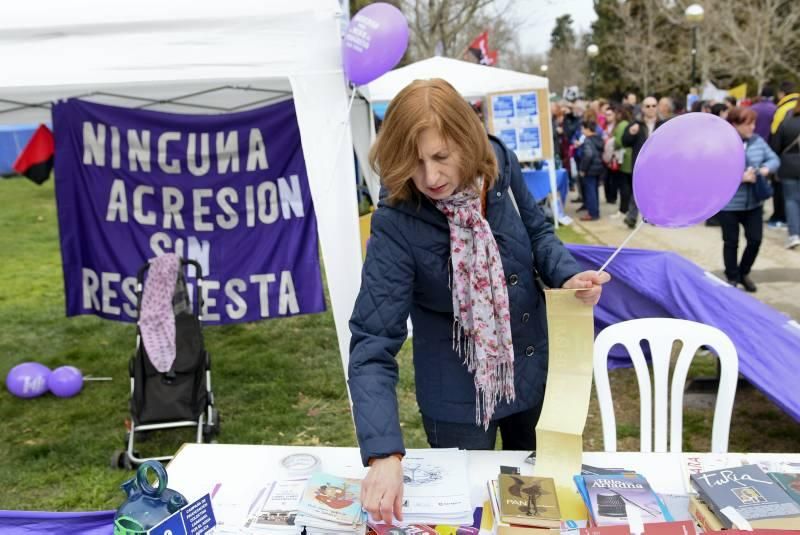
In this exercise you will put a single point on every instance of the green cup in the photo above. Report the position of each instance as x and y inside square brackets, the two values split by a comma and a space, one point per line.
[125, 525]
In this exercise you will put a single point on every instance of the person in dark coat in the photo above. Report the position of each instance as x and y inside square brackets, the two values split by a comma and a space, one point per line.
[591, 169]
[455, 243]
[634, 137]
[786, 143]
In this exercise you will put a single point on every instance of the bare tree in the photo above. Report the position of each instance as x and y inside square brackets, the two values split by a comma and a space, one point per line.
[452, 24]
[757, 36]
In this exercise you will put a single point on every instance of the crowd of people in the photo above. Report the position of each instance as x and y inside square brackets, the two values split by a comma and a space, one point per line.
[599, 141]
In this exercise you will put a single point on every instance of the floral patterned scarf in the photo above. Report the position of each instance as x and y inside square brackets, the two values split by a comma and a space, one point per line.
[481, 317]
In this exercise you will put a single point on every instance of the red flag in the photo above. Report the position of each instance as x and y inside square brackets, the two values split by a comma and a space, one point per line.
[479, 50]
[36, 159]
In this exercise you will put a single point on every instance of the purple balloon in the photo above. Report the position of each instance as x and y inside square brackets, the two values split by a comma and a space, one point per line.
[65, 381]
[28, 380]
[374, 42]
[688, 170]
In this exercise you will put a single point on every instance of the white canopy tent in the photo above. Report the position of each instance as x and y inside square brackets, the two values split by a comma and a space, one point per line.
[201, 56]
[469, 79]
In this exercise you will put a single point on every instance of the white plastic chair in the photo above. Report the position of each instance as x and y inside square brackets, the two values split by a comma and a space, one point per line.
[661, 333]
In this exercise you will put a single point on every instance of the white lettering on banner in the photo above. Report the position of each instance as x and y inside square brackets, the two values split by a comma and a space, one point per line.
[117, 202]
[172, 204]
[191, 155]
[287, 298]
[94, 144]
[208, 301]
[263, 204]
[257, 152]
[115, 159]
[198, 150]
[200, 210]
[263, 281]
[138, 151]
[116, 296]
[232, 220]
[174, 165]
[237, 306]
[109, 293]
[227, 152]
[142, 218]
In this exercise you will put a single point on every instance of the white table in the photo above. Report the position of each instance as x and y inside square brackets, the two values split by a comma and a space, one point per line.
[198, 468]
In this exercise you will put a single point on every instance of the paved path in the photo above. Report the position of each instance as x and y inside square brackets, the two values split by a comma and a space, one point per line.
[776, 271]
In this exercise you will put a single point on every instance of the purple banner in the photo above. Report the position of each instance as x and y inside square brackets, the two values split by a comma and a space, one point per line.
[229, 191]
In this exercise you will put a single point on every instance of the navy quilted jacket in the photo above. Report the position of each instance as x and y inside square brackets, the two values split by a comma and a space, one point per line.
[406, 272]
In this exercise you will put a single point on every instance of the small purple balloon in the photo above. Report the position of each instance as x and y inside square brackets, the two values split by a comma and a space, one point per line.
[374, 42]
[28, 380]
[688, 170]
[65, 381]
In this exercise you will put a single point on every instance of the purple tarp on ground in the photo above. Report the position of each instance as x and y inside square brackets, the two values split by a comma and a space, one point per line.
[647, 284]
[44, 523]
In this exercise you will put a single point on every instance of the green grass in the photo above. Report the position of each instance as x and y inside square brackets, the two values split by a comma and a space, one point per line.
[276, 381]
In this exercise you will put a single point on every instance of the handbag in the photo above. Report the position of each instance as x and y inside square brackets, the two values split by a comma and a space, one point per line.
[762, 190]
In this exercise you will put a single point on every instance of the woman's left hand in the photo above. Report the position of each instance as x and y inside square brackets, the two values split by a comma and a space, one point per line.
[764, 171]
[592, 281]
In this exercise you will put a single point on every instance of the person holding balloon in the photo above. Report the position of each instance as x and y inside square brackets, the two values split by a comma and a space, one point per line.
[746, 208]
[455, 243]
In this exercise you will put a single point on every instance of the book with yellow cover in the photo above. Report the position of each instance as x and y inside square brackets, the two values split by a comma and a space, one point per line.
[528, 501]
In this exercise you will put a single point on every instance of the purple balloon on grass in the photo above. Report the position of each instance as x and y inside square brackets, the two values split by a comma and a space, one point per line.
[374, 42]
[65, 381]
[28, 380]
[688, 170]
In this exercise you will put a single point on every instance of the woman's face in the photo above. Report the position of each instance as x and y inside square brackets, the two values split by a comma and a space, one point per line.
[746, 129]
[437, 173]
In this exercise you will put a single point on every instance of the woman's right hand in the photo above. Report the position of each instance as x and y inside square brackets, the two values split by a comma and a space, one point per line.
[749, 175]
[382, 490]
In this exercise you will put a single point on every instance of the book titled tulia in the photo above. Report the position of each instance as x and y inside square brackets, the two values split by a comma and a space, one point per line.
[749, 493]
[610, 498]
[529, 501]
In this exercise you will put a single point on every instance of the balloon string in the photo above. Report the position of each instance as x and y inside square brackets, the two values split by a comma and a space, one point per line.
[635, 230]
[90, 378]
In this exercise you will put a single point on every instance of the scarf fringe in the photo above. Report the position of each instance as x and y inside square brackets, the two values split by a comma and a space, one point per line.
[500, 386]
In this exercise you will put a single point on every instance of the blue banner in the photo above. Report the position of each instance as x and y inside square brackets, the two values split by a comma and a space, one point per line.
[229, 191]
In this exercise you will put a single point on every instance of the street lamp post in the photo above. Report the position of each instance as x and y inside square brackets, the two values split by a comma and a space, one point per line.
[592, 50]
[694, 15]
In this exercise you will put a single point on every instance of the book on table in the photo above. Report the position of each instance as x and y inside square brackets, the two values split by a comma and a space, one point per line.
[612, 498]
[747, 491]
[528, 501]
[331, 504]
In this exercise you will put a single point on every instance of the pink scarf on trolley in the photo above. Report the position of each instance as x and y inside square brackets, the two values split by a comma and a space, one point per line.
[481, 317]
[157, 320]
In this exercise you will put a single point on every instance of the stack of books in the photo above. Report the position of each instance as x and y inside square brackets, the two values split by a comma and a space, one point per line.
[331, 505]
[612, 498]
[276, 510]
[729, 495]
[436, 488]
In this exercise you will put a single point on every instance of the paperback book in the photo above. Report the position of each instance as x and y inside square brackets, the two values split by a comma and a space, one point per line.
[331, 504]
[609, 499]
[751, 493]
[529, 501]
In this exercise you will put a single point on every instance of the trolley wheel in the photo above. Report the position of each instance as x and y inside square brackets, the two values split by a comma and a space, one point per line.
[211, 430]
[120, 460]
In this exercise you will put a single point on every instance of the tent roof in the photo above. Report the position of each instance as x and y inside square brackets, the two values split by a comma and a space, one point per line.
[159, 49]
[469, 79]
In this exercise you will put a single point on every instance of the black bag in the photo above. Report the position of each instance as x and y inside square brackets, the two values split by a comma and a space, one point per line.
[762, 188]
